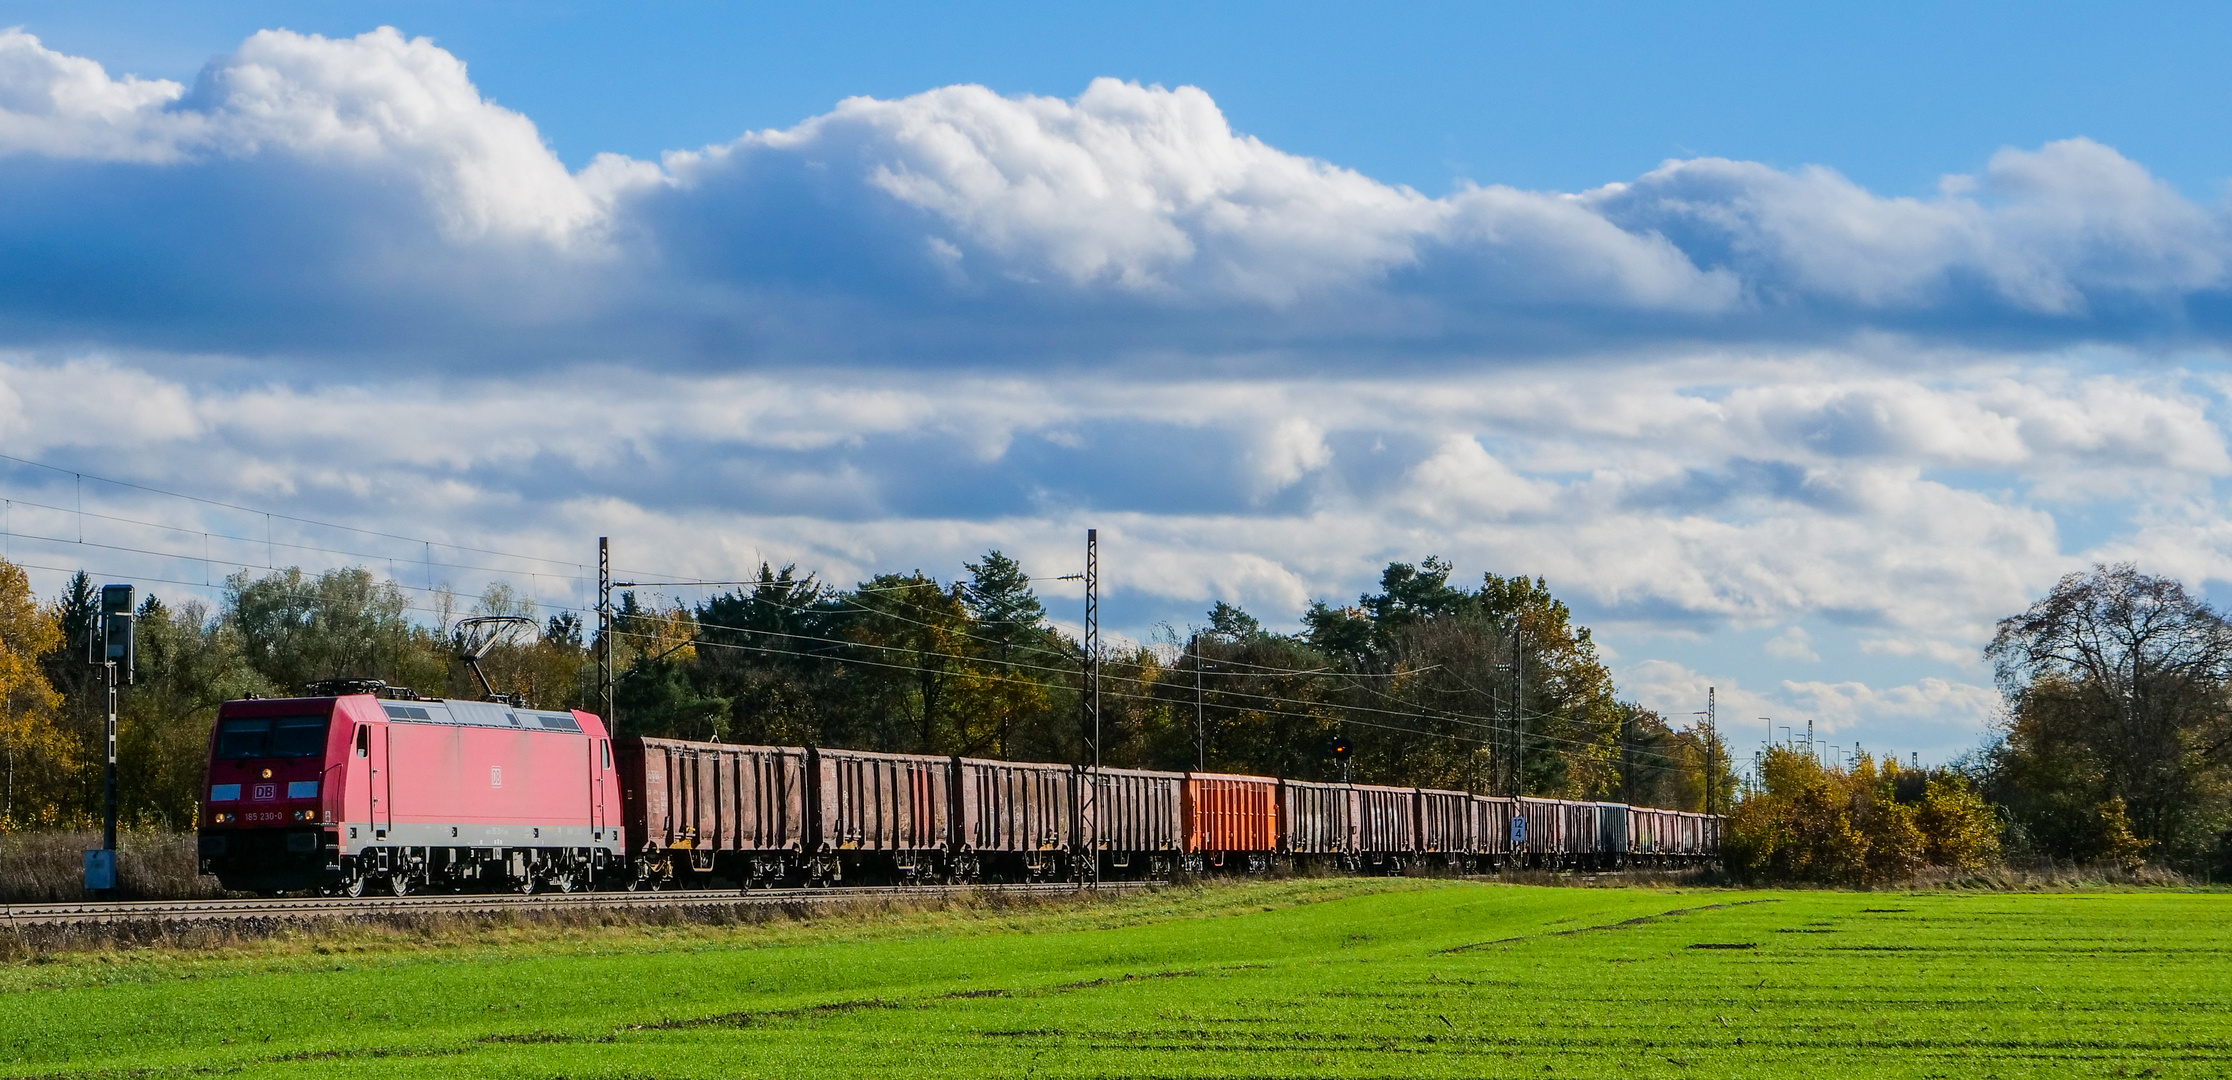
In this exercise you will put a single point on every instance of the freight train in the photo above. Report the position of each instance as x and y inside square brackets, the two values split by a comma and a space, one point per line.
[355, 791]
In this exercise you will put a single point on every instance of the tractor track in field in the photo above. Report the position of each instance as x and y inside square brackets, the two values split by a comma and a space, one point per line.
[332, 907]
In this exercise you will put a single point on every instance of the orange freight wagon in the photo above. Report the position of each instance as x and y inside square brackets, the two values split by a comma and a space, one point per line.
[1232, 815]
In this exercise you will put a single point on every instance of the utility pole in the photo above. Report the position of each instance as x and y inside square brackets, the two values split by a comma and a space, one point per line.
[1092, 640]
[604, 631]
[1712, 740]
[1518, 709]
[1201, 726]
[1627, 756]
[1092, 675]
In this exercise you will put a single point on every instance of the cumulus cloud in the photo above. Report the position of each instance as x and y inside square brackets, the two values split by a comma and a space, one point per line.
[1839, 708]
[1731, 525]
[399, 107]
[1792, 644]
[1462, 479]
[359, 195]
[68, 107]
[2050, 232]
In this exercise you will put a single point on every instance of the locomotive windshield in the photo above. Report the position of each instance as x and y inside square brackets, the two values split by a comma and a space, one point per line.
[271, 736]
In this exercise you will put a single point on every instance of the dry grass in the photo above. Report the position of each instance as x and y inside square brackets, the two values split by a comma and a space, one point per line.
[2050, 876]
[48, 866]
[374, 931]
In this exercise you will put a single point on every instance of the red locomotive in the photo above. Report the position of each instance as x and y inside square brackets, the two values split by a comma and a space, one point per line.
[340, 792]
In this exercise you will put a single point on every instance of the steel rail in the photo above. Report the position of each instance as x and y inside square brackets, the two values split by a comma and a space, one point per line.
[165, 911]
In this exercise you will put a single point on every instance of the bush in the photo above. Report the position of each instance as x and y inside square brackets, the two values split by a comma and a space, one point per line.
[1959, 828]
[1808, 822]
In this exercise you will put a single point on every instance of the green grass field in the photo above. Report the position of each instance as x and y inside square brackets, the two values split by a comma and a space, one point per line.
[1298, 978]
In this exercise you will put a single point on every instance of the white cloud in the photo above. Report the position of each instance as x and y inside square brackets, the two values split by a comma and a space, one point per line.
[64, 106]
[1944, 652]
[1714, 527]
[2045, 230]
[1293, 448]
[1839, 709]
[365, 199]
[1792, 644]
[378, 102]
[1462, 479]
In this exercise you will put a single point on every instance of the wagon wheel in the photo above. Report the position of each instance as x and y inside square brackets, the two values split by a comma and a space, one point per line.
[525, 885]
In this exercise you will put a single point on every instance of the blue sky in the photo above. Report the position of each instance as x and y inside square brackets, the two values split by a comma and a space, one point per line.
[1794, 347]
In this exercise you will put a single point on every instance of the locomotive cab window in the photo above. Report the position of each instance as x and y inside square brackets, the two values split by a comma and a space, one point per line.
[607, 744]
[271, 736]
[364, 741]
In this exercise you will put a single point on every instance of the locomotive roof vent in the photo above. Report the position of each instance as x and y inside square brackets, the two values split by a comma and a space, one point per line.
[345, 687]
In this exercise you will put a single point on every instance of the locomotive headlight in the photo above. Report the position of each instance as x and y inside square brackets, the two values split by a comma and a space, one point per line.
[267, 774]
[222, 818]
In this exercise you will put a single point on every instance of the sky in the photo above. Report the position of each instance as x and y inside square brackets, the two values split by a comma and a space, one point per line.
[1794, 347]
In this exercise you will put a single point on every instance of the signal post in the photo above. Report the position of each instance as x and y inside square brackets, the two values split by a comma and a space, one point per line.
[109, 646]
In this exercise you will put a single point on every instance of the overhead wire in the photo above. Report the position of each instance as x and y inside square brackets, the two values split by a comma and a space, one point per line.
[1147, 697]
[83, 475]
[1227, 693]
[1481, 723]
[1492, 724]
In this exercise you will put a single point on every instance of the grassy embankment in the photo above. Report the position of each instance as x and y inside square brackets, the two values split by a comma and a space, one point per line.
[1297, 978]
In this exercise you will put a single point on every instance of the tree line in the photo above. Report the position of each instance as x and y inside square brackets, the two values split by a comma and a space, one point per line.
[1493, 688]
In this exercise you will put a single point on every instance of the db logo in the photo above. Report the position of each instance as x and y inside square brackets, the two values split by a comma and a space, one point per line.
[267, 791]
[495, 776]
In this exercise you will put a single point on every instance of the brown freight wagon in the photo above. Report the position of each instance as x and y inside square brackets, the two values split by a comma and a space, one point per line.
[1231, 816]
[1646, 835]
[1013, 821]
[1612, 823]
[1445, 826]
[1386, 826]
[879, 815]
[1492, 829]
[1582, 829]
[1132, 820]
[1317, 823]
[696, 809]
[1541, 840]
[1701, 837]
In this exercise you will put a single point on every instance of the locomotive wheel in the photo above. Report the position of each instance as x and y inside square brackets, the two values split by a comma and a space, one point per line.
[525, 886]
[399, 883]
[352, 887]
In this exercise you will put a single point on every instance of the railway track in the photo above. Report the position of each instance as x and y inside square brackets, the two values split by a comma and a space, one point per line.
[171, 911]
